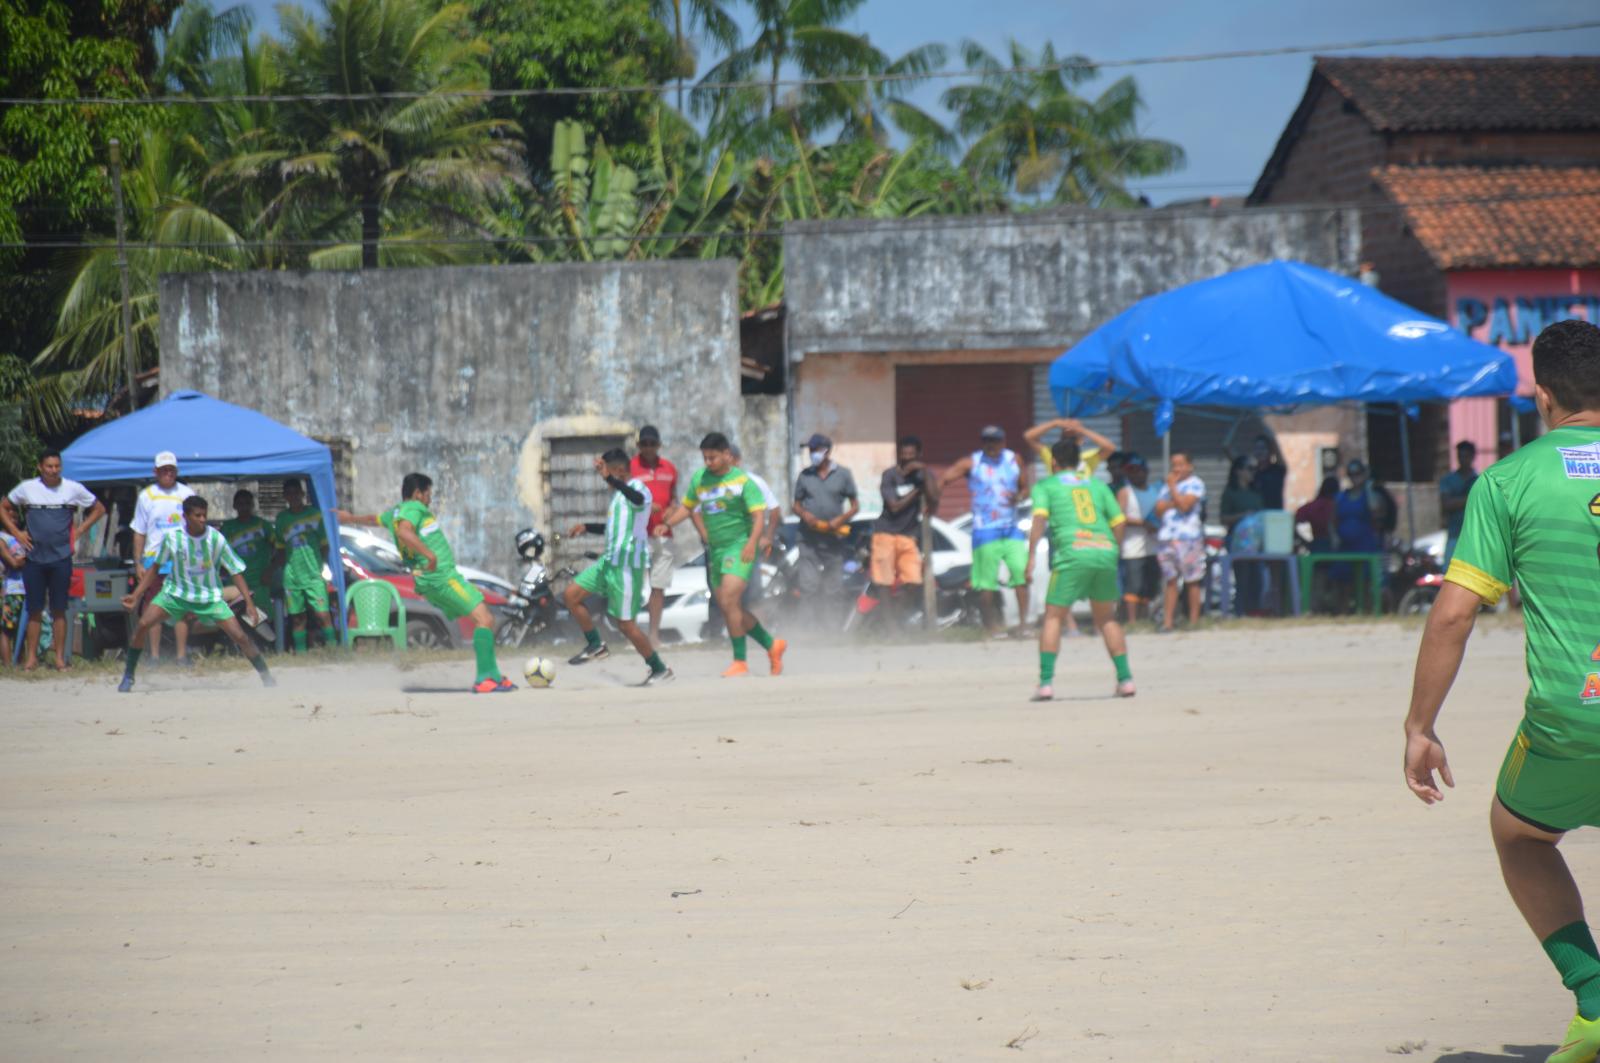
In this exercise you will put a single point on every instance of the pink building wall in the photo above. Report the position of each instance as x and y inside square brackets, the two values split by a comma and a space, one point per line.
[1506, 308]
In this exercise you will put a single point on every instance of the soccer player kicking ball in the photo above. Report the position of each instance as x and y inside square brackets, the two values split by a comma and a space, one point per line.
[729, 512]
[191, 589]
[1533, 519]
[1085, 527]
[427, 553]
[620, 574]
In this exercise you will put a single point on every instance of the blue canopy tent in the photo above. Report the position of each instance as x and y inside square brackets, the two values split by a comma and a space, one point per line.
[1277, 336]
[214, 440]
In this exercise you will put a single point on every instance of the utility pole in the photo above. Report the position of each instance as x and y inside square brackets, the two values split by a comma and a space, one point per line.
[930, 585]
[122, 270]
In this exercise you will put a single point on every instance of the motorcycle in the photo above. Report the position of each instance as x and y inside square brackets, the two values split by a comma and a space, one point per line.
[535, 612]
[1411, 581]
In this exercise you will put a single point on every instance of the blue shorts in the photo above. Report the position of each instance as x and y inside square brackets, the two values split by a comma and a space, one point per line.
[49, 579]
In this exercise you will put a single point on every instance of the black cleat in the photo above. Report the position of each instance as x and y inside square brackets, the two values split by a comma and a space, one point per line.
[657, 678]
[590, 653]
[126, 686]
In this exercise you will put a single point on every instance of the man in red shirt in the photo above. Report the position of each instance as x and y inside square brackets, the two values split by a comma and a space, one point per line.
[661, 477]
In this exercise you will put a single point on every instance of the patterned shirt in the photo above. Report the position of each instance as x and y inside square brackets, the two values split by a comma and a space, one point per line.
[194, 560]
[628, 528]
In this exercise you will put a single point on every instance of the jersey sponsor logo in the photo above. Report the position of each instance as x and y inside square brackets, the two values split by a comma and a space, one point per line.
[1581, 463]
[1594, 506]
[1591, 687]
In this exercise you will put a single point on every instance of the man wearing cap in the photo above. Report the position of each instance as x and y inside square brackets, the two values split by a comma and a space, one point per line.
[46, 505]
[998, 481]
[825, 500]
[660, 476]
[159, 510]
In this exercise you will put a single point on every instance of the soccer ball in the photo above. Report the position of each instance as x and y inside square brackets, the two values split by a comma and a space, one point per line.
[539, 671]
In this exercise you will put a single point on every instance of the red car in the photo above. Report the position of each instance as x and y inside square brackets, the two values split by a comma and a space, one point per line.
[426, 626]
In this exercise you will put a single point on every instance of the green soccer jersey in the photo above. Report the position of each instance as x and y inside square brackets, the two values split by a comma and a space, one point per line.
[194, 561]
[253, 540]
[305, 545]
[725, 503]
[627, 527]
[1083, 514]
[427, 528]
[1533, 519]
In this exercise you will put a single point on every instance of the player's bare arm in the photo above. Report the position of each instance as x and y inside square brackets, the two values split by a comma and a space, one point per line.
[959, 471]
[1444, 643]
[146, 575]
[365, 520]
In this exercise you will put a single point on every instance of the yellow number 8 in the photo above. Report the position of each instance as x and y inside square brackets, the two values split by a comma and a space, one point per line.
[1083, 502]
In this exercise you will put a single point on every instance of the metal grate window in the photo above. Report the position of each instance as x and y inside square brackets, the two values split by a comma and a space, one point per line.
[576, 492]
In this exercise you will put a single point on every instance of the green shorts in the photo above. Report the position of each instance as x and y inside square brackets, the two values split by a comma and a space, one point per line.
[178, 608]
[1073, 582]
[624, 586]
[726, 561]
[450, 593]
[309, 598]
[987, 559]
[1552, 793]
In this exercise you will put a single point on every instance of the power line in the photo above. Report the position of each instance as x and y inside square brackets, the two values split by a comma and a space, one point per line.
[925, 222]
[841, 79]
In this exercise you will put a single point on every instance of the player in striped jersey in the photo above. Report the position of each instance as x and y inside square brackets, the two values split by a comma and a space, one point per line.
[620, 574]
[193, 553]
[1533, 519]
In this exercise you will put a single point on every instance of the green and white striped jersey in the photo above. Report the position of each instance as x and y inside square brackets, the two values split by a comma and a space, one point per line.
[627, 526]
[194, 564]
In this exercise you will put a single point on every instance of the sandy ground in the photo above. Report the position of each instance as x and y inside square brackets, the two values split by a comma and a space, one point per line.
[886, 854]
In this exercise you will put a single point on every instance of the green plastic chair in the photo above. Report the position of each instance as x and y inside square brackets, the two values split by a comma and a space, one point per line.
[372, 600]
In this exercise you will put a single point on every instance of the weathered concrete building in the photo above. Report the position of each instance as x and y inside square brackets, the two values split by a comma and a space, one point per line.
[939, 326]
[501, 382]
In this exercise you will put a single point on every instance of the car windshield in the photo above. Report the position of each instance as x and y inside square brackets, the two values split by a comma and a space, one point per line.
[370, 561]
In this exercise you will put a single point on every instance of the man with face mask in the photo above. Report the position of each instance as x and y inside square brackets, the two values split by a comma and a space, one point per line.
[825, 500]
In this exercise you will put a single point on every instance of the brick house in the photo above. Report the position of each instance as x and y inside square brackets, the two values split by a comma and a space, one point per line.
[1479, 180]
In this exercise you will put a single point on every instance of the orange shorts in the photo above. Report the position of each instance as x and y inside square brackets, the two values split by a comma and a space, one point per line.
[895, 559]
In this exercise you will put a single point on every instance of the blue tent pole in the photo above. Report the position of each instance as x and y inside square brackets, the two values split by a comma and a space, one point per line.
[1405, 464]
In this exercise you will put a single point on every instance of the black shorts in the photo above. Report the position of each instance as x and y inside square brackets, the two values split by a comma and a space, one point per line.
[49, 579]
[1141, 579]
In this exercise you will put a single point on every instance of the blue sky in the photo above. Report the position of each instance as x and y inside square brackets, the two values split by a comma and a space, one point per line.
[1227, 115]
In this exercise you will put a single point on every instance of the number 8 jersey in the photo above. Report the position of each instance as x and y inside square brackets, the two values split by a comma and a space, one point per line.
[1082, 513]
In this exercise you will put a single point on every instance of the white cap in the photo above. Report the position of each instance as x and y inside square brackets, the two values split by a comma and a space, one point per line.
[166, 457]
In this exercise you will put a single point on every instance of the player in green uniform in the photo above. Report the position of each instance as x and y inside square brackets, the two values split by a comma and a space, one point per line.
[729, 511]
[305, 547]
[622, 573]
[1085, 526]
[254, 540]
[192, 589]
[427, 553]
[1533, 519]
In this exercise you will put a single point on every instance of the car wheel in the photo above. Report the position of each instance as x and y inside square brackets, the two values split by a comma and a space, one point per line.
[423, 635]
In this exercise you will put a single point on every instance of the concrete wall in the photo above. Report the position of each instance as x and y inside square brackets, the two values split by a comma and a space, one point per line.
[762, 434]
[463, 373]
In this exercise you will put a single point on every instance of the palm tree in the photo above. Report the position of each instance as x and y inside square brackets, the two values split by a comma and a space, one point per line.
[706, 17]
[430, 163]
[805, 32]
[1030, 129]
[865, 109]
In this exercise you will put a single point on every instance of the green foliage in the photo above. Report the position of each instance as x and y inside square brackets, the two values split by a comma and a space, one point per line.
[571, 44]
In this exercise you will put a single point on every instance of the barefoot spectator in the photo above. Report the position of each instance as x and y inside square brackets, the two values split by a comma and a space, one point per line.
[46, 507]
[1182, 538]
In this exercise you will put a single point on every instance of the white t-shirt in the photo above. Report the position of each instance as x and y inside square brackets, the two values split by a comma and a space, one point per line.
[766, 493]
[49, 512]
[1177, 525]
[156, 513]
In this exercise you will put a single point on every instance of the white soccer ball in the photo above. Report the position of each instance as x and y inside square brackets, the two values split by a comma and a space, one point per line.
[539, 671]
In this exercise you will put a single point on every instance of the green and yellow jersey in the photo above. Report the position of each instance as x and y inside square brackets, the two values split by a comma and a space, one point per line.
[427, 528]
[305, 546]
[1083, 515]
[254, 541]
[1533, 519]
[726, 504]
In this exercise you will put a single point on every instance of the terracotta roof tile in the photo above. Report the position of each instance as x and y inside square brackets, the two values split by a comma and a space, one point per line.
[1495, 93]
[1469, 217]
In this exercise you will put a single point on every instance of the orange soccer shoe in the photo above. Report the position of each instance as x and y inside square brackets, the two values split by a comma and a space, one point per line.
[775, 655]
[737, 668]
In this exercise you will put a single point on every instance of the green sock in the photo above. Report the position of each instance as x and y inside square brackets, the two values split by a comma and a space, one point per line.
[483, 647]
[739, 650]
[1573, 951]
[759, 633]
[327, 638]
[1124, 673]
[132, 662]
[655, 663]
[592, 637]
[1047, 667]
[259, 663]
[299, 640]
